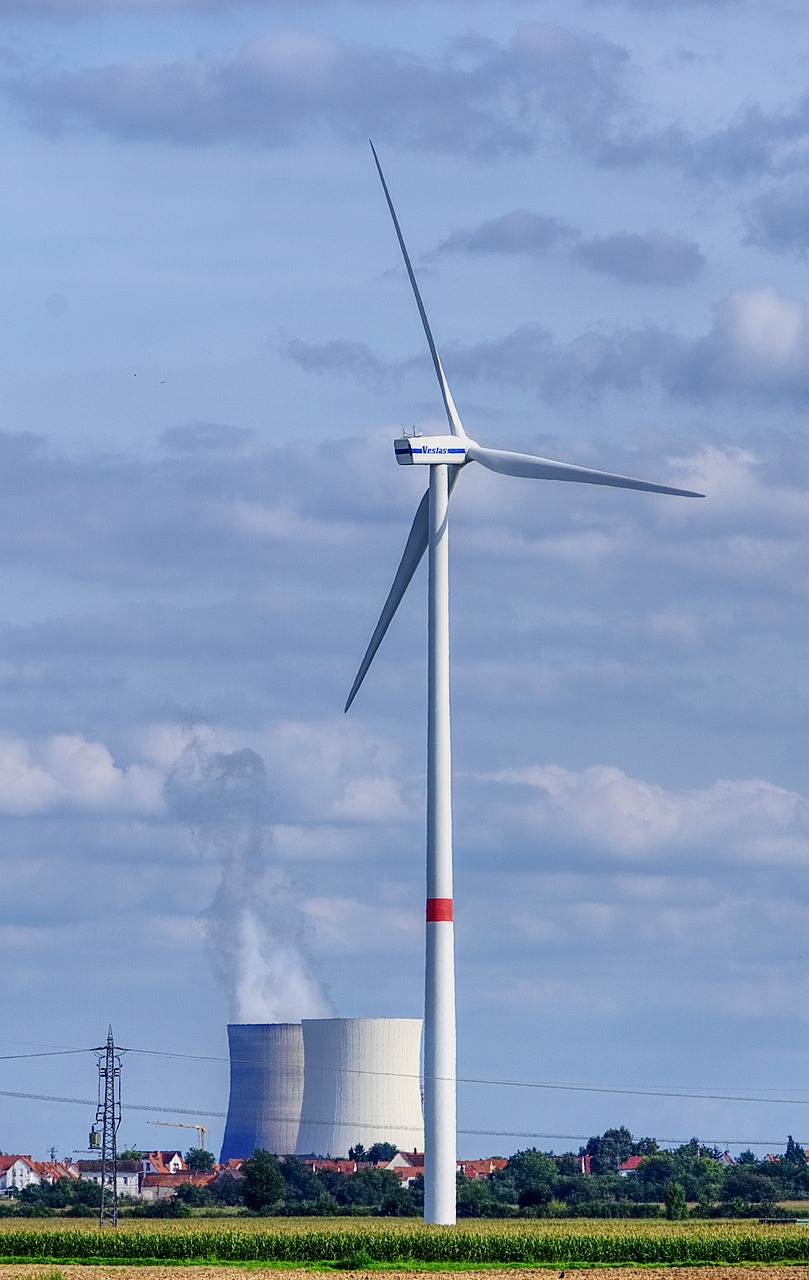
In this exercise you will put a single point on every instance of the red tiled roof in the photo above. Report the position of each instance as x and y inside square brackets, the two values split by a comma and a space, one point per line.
[482, 1168]
[7, 1161]
[53, 1170]
[196, 1177]
[630, 1165]
[414, 1158]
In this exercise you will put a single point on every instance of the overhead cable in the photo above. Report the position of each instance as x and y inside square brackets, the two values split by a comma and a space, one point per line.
[481, 1133]
[694, 1094]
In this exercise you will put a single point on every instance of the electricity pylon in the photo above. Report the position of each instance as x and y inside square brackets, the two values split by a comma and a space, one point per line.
[108, 1116]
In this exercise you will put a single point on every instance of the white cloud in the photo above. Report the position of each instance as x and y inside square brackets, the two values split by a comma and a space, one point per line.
[66, 770]
[344, 925]
[748, 820]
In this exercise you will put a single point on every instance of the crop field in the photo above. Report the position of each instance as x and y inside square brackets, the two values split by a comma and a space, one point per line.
[355, 1244]
[208, 1271]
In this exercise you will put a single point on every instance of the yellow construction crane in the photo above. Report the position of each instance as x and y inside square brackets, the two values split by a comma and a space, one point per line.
[201, 1129]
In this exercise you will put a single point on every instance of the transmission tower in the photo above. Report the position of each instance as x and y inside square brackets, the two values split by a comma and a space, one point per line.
[108, 1117]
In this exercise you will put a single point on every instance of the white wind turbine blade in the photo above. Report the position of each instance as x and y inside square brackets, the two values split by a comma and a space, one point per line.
[534, 468]
[415, 547]
[455, 424]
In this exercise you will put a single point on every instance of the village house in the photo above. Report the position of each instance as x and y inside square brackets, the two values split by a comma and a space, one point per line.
[476, 1170]
[19, 1172]
[16, 1173]
[127, 1180]
[163, 1162]
[162, 1186]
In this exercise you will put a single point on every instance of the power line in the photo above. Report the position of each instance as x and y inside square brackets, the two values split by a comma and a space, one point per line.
[481, 1133]
[625, 1090]
[130, 1106]
[54, 1053]
[694, 1095]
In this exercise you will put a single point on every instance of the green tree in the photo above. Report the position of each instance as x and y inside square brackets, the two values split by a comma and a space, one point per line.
[262, 1185]
[795, 1153]
[131, 1153]
[474, 1198]
[197, 1158]
[699, 1173]
[171, 1207]
[674, 1199]
[194, 1196]
[301, 1185]
[744, 1182]
[645, 1147]
[357, 1153]
[380, 1151]
[653, 1175]
[747, 1157]
[533, 1176]
[370, 1188]
[226, 1189]
[42, 1196]
[610, 1150]
[84, 1191]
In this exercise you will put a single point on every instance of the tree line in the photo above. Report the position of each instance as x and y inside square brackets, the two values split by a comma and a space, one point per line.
[689, 1180]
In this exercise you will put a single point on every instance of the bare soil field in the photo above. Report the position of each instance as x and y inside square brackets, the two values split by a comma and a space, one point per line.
[43, 1271]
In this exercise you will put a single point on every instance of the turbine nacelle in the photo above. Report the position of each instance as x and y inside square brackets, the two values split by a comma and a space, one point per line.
[429, 450]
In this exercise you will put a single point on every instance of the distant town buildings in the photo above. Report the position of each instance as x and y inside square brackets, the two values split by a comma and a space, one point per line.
[158, 1175]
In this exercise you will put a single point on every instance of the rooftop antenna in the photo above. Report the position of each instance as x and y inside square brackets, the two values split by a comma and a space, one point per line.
[445, 456]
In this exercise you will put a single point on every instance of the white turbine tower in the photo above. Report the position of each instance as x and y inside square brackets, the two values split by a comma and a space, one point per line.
[445, 456]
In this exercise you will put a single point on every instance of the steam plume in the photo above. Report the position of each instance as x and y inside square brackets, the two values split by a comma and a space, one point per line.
[254, 924]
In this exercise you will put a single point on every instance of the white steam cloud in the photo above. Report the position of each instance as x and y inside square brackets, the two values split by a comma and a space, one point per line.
[254, 925]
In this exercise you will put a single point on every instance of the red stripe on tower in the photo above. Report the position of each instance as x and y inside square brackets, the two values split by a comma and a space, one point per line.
[439, 909]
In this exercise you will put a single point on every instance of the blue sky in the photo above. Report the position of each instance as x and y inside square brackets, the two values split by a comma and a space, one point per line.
[208, 345]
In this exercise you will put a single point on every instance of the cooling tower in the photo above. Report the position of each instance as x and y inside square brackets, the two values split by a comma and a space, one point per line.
[361, 1085]
[266, 1088]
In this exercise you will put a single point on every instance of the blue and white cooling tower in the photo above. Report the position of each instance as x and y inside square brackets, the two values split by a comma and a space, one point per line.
[361, 1085]
[323, 1086]
[266, 1088]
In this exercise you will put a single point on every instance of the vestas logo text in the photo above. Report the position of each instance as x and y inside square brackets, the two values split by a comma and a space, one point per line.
[437, 449]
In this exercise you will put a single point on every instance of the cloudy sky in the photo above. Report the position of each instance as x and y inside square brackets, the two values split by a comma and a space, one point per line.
[208, 345]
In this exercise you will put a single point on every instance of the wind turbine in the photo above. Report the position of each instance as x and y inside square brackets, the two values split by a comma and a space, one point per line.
[445, 456]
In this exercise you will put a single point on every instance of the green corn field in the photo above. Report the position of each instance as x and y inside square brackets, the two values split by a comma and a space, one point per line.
[341, 1242]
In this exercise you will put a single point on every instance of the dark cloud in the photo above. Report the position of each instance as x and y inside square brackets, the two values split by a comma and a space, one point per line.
[755, 143]
[208, 437]
[478, 97]
[758, 344]
[482, 97]
[779, 220]
[71, 10]
[338, 356]
[529, 358]
[663, 6]
[520, 231]
[654, 258]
